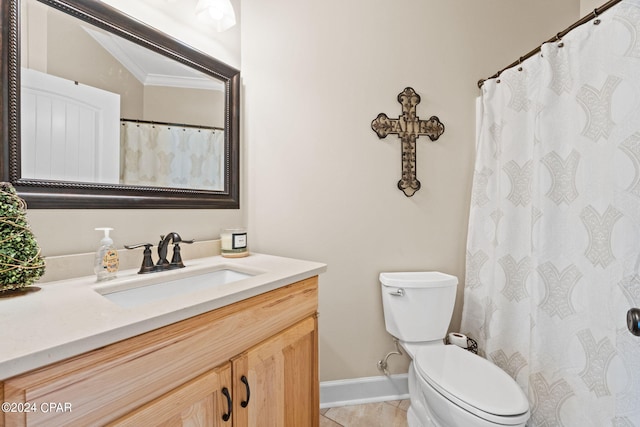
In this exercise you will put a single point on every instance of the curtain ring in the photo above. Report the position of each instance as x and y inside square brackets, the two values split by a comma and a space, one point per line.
[595, 15]
[520, 64]
[559, 40]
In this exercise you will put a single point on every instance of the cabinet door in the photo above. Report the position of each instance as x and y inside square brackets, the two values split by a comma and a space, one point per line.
[200, 402]
[279, 379]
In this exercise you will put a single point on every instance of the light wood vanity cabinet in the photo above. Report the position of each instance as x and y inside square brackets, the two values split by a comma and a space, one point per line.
[199, 402]
[281, 378]
[181, 374]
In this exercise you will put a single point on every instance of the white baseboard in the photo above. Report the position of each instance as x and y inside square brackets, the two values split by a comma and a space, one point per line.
[363, 390]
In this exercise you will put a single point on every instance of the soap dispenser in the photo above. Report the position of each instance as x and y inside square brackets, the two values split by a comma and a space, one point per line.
[107, 261]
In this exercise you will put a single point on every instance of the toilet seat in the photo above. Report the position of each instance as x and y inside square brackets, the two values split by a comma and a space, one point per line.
[472, 383]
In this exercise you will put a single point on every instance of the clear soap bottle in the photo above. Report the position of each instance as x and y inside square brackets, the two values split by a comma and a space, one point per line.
[107, 261]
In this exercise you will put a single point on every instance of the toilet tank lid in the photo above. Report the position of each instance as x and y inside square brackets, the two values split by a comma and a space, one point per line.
[418, 279]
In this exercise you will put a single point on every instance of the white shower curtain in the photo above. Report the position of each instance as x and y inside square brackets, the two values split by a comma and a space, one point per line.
[171, 156]
[553, 250]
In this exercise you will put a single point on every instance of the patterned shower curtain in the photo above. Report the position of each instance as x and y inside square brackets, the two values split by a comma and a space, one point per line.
[171, 156]
[553, 250]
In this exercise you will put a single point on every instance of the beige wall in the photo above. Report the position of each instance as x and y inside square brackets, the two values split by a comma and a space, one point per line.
[182, 105]
[62, 232]
[322, 186]
[33, 38]
[68, 47]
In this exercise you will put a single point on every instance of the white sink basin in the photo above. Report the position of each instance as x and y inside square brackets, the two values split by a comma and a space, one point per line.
[155, 287]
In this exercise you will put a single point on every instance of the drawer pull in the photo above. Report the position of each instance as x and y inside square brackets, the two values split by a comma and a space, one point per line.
[227, 416]
[244, 403]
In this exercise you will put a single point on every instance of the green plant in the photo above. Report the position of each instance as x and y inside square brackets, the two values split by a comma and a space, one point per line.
[20, 261]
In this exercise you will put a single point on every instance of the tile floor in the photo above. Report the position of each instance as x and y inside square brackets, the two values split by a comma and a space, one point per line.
[383, 414]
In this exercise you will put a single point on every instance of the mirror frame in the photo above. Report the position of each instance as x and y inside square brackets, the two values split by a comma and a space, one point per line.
[42, 194]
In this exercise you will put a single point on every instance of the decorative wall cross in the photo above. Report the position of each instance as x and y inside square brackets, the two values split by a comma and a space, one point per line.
[408, 127]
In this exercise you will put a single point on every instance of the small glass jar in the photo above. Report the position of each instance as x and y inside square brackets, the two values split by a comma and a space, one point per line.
[233, 243]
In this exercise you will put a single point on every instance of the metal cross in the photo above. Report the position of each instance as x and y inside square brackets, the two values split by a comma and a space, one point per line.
[408, 127]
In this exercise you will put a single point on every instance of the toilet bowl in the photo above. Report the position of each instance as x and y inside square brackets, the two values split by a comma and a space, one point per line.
[448, 386]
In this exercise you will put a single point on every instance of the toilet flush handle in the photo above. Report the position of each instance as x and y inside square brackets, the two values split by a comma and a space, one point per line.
[397, 293]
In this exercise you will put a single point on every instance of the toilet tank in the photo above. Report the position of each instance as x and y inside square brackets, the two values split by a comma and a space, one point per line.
[418, 305]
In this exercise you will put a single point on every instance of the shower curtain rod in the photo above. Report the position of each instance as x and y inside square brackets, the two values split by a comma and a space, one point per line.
[182, 125]
[596, 12]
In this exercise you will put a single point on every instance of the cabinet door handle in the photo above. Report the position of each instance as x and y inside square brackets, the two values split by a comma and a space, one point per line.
[227, 416]
[244, 403]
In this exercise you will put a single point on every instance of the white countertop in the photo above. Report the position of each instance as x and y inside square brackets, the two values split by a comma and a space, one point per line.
[68, 317]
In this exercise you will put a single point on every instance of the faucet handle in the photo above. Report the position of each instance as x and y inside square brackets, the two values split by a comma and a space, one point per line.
[147, 262]
[138, 245]
[176, 260]
[176, 238]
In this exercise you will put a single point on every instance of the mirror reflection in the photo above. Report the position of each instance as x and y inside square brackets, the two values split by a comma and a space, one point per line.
[100, 109]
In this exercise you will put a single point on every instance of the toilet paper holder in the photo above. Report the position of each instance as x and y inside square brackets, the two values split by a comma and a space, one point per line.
[462, 341]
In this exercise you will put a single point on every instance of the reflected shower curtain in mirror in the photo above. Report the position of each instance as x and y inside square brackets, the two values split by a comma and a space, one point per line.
[553, 248]
[171, 156]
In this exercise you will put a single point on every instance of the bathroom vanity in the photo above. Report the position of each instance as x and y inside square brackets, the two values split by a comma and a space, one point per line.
[248, 357]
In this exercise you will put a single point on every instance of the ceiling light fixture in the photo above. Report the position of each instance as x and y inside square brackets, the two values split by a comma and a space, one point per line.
[218, 12]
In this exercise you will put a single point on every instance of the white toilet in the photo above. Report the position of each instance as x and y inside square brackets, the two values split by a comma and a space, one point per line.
[448, 386]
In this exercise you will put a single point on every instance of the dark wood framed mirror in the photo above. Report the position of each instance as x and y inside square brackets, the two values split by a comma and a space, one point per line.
[47, 190]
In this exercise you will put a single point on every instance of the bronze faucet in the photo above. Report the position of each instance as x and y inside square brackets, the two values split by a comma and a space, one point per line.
[163, 263]
[176, 260]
